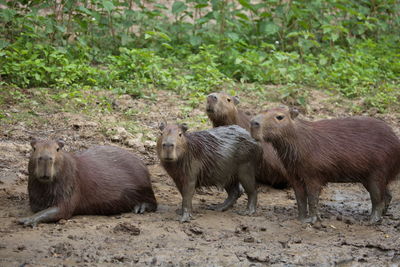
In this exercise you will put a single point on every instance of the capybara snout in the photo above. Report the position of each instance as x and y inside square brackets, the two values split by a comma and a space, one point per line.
[45, 158]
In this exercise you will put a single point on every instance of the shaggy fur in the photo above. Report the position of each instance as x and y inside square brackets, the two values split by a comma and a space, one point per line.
[222, 110]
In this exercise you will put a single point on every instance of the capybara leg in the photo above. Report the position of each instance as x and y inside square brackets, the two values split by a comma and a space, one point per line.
[388, 198]
[313, 192]
[378, 197]
[234, 192]
[187, 195]
[142, 207]
[246, 175]
[301, 198]
[48, 215]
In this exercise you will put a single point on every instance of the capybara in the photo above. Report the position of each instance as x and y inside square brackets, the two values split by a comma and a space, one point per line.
[222, 157]
[355, 149]
[222, 110]
[102, 180]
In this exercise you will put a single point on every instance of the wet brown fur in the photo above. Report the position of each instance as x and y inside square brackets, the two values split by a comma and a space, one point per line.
[209, 158]
[355, 149]
[223, 111]
[102, 180]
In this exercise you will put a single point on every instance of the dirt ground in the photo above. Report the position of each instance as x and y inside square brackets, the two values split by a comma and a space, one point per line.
[272, 237]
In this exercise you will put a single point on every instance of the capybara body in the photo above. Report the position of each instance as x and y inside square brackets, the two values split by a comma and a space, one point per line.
[222, 157]
[355, 149]
[102, 180]
[222, 110]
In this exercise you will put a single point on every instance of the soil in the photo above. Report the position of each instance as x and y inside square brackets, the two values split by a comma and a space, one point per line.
[271, 237]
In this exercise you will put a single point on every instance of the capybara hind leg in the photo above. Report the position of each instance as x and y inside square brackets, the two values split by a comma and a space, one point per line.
[246, 175]
[388, 199]
[234, 192]
[378, 197]
[142, 207]
[301, 198]
[48, 215]
[187, 195]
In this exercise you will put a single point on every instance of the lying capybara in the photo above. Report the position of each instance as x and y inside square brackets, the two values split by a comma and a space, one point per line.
[355, 149]
[222, 110]
[222, 157]
[102, 180]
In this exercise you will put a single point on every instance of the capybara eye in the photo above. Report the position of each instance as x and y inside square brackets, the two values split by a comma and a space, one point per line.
[229, 100]
[280, 117]
[58, 149]
[180, 134]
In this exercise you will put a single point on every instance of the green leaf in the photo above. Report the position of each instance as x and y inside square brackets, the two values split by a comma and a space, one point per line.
[195, 40]
[108, 5]
[269, 28]
[178, 7]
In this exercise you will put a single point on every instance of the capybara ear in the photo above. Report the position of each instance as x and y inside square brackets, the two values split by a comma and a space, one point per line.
[235, 100]
[161, 126]
[33, 142]
[294, 112]
[60, 143]
[184, 127]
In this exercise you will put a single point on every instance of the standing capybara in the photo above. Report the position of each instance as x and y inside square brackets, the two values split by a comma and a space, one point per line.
[356, 149]
[102, 180]
[222, 157]
[222, 110]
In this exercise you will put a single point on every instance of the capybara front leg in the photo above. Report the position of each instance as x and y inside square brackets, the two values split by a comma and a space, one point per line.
[246, 176]
[187, 195]
[301, 198]
[48, 215]
[313, 192]
[234, 193]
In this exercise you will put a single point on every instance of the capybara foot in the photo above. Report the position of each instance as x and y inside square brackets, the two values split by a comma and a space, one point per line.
[218, 207]
[247, 212]
[375, 219]
[310, 219]
[142, 207]
[27, 221]
[186, 217]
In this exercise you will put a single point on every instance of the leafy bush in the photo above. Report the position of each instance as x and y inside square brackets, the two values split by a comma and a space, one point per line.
[196, 46]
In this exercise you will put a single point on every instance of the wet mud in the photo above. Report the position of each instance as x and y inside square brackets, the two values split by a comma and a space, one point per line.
[271, 237]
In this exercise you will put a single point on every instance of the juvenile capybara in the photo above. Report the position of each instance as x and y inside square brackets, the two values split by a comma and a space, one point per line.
[102, 180]
[355, 149]
[222, 157]
[222, 110]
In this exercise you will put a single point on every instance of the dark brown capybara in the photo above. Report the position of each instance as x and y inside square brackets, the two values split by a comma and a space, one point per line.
[355, 149]
[222, 157]
[222, 110]
[102, 180]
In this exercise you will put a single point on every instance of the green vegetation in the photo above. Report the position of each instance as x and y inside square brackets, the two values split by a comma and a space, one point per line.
[193, 47]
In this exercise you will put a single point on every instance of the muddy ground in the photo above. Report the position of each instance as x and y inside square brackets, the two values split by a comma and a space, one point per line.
[272, 236]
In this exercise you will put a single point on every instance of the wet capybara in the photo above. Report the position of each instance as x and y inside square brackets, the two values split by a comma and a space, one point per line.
[355, 149]
[102, 180]
[222, 110]
[222, 157]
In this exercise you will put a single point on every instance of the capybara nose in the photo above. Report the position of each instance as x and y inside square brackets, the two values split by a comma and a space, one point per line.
[167, 145]
[255, 124]
[212, 97]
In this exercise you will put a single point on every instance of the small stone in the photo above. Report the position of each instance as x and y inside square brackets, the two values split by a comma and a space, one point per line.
[256, 256]
[249, 239]
[196, 230]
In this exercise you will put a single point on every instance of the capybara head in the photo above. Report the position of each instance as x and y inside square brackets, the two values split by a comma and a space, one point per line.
[221, 105]
[172, 142]
[45, 159]
[273, 123]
